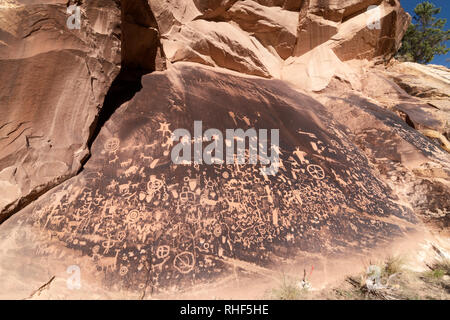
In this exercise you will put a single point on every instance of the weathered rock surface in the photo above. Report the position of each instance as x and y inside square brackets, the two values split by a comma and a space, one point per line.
[431, 84]
[338, 31]
[246, 36]
[256, 37]
[137, 221]
[418, 173]
[355, 175]
[52, 83]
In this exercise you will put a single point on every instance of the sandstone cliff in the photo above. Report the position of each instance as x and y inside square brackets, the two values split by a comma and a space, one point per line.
[86, 117]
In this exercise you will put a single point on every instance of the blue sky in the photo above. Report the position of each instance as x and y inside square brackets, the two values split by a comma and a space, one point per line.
[409, 6]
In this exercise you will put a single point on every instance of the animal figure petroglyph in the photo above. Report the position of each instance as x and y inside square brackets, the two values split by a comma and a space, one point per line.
[234, 205]
[108, 262]
[147, 146]
[131, 170]
[135, 185]
[144, 157]
[112, 185]
[204, 201]
[125, 188]
[113, 160]
[125, 163]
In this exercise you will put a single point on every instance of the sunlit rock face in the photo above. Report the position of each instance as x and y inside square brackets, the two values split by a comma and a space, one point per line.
[54, 79]
[355, 173]
[133, 215]
[264, 38]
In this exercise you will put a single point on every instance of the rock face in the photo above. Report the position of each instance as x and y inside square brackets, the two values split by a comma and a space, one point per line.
[408, 163]
[431, 84]
[351, 25]
[336, 31]
[356, 170]
[264, 38]
[52, 84]
[136, 216]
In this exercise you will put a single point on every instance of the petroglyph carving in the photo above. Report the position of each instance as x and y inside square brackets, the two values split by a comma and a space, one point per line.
[316, 171]
[184, 262]
[162, 252]
[110, 263]
[112, 144]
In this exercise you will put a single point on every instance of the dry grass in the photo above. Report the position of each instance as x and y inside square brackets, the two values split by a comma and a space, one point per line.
[395, 281]
[393, 265]
[398, 283]
[438, 270]
[289, 289]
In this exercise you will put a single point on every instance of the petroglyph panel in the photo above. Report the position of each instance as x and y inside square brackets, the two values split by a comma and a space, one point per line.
[144, 221]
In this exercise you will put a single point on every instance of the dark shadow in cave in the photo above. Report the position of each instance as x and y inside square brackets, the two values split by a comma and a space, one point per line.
[126, 84]
[141, 53]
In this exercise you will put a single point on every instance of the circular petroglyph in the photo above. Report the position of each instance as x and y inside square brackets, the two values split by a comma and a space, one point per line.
[112, 144]
[132, 216]
[121, 235]
[184, 262]
[123, 270]
[162, 251]
[154, 185]
[316, 171]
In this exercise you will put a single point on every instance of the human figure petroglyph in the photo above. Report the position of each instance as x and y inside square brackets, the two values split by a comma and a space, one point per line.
[108, 244]
[164, 128]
